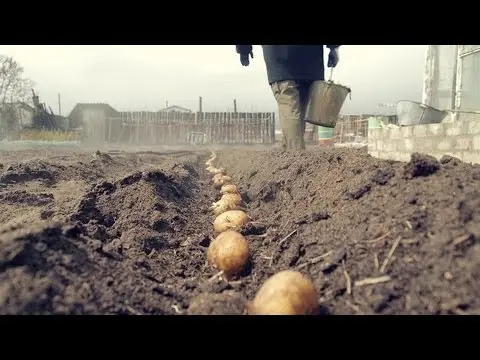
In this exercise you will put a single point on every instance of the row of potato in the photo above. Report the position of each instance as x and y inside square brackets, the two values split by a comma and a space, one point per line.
[286, 292]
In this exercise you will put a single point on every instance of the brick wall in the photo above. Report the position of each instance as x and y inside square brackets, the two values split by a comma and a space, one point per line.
[460, 139]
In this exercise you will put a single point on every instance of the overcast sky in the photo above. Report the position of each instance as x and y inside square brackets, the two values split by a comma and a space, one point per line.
[139, 77]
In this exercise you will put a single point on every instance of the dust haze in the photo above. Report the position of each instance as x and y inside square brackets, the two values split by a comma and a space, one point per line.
[144, 78]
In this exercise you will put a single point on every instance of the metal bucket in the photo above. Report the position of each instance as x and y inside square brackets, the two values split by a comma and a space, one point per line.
[325, 101]
[414, 113]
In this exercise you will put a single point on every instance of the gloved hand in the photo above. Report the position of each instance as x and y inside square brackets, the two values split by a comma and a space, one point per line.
[333, 58]
[244, 58]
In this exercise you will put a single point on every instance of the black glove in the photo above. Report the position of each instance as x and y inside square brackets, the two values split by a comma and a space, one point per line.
[244, 58]
[333, 58]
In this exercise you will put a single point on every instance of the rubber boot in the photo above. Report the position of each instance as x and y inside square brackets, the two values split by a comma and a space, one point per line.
[293, 129]
[291, 100]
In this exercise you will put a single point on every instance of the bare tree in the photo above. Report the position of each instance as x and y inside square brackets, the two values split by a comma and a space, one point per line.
[14, 86]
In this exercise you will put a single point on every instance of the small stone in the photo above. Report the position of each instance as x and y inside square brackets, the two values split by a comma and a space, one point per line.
[41, 247]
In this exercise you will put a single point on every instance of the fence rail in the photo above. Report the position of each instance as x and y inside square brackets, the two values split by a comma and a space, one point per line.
[150, 128]
[354, 128]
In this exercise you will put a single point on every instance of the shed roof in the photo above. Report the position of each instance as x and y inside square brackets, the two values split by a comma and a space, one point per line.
[175, 108]
[99, 106]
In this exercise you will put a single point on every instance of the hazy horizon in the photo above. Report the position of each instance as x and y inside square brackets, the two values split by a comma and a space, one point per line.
[145, 77]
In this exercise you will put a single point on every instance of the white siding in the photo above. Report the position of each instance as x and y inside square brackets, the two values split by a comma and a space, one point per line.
[452, 79]
[445, 83]
[439, 76]
[470, 78]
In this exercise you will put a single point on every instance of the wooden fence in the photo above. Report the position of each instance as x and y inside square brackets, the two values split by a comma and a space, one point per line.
[354, 128]
[176, 128]
[349, 128]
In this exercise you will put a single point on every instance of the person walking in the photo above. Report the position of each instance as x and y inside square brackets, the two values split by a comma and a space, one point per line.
[291, 69]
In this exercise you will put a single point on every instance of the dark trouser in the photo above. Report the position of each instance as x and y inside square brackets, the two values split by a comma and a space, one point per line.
[292, 97]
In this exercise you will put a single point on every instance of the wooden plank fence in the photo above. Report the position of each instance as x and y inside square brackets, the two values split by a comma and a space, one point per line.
[175, 128]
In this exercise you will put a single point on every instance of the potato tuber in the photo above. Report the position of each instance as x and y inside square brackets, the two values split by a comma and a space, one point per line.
[285, 293]
[233, 198]
[218, 171]
[223, 205]
[217, 177]
[229, 253]
[230, 220]
[229, 189]
[221, 180]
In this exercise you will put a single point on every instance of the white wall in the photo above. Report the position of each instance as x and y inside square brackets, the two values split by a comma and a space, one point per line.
[452, 76]
[440, 67]
[470, 78]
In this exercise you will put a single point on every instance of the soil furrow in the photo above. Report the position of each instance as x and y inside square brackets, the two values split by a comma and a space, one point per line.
[127, 233]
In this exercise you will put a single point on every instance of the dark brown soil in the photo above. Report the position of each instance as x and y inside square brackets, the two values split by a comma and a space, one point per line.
[336, 214]
[134, 243]
[122, 233]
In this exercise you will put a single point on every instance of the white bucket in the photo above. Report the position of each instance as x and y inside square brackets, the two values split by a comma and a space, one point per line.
[325, 101]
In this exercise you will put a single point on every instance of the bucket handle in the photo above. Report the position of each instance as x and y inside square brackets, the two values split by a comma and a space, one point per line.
[330, 80]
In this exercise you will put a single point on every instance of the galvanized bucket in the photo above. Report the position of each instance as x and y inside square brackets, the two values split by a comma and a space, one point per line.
[415, 113]
[325, 101]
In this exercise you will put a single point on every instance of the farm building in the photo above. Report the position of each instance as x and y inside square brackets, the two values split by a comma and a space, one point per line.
[93, 119]
[83, 111]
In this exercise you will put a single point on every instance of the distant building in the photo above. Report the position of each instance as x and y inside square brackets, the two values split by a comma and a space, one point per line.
[77, 115]
[84, 111]
[175, 108]
[18, 114]
[94, 121]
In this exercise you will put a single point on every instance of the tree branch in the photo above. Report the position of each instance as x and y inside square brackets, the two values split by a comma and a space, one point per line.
[13, 84]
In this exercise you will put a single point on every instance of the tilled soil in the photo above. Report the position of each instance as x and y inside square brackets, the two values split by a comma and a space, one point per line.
[376, 237]
[131, 242]
[127, 233]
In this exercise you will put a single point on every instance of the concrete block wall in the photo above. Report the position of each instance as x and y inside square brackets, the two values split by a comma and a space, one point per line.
[460, 139]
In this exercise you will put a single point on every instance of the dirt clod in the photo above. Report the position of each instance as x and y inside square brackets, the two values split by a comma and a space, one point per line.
[421, 165]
